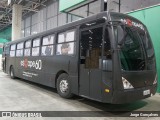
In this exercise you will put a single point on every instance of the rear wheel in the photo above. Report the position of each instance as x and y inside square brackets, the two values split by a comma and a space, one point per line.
[64, 86]
[12, 75]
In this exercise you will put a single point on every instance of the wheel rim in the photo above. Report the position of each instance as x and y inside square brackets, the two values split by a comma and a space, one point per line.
[63, 86]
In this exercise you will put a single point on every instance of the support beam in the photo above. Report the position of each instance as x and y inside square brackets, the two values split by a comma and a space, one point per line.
[119, 5]
[29, 9]
[104, 5]
[16, 21]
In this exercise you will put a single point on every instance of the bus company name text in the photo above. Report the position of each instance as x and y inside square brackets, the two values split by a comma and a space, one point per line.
[132, 23]
[37, 64]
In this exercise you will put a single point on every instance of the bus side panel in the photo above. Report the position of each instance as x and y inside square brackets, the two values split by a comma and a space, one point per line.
[62, 64]
[27, 70]
[18, 69]
[50, 66]
[10, 61]
[107, 80]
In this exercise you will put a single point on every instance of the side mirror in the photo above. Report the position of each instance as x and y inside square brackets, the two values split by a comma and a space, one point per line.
[107, 65]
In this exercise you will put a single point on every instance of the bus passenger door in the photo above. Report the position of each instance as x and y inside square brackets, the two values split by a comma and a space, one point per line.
[90, 59]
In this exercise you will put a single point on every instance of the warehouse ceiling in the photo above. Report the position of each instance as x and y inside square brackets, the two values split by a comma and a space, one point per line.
[31, 6]
[28, 7]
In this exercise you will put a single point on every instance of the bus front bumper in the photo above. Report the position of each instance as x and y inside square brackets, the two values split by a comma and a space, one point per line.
[128, 96]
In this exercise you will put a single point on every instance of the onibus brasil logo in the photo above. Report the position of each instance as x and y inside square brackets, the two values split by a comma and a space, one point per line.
[37, 64]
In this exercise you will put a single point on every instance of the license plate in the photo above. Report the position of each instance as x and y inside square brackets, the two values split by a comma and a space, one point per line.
[146, 92]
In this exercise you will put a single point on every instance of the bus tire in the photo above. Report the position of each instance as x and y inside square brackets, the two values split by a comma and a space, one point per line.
[12, 75]
[64, 86]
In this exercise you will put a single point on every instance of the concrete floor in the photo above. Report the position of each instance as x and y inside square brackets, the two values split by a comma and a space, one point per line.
[20, 95]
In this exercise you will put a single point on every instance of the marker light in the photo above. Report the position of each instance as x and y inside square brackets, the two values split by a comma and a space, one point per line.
[126, 84]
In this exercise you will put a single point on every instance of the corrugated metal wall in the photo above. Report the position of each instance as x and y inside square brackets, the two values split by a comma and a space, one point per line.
[47, 18]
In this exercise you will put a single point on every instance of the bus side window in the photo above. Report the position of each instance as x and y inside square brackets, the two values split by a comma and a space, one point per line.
[19, 51]
[47, 45]
[12, 50]
[27, 50]
[66, 43]
[36, 47]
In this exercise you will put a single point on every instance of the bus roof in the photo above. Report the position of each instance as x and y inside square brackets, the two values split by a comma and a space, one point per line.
[71, 25]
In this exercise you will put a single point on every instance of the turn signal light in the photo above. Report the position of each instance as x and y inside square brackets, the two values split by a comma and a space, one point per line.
[107, 90]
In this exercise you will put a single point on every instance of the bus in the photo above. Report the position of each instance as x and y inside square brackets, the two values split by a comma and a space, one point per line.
[107, 57]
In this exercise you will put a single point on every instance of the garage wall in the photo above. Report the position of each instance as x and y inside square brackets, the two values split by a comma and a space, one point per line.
[46, 18]
[6, 33]
[151, 18]
[5, 36]
[64, 4]
[130, 5]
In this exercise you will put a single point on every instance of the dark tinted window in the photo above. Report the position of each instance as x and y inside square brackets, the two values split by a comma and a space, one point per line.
[27, 50]
[107, 45]
[12, 50]
[91, 47]
[132, 54]
[66, 43]
[19, 51]
[47, 45]
[36, 48]
[149, 50]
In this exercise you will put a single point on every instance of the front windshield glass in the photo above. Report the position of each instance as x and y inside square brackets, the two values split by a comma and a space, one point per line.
[136, 51]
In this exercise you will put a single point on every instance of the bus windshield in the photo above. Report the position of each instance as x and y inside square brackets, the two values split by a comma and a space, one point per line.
[136, 50]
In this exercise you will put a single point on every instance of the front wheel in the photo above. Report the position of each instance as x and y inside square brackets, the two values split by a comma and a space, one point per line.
[64, 86]
[12, 73]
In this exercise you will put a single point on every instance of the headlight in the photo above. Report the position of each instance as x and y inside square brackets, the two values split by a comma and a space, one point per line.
[126, 84]
[155, 80]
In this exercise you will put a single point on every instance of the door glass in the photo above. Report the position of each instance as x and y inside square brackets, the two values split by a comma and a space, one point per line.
[107, 46]
[91, 47]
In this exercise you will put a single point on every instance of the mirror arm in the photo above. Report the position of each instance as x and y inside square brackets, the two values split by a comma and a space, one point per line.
[116, 23]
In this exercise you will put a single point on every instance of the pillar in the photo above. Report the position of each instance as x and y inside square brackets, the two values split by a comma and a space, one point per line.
[16, 21]
[104, 5]
[113, 5]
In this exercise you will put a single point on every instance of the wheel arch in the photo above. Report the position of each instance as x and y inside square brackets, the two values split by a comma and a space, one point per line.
[10, 68]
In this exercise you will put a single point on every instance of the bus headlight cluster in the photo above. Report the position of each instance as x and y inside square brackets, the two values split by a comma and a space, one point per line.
[155, 80]
[126, 84]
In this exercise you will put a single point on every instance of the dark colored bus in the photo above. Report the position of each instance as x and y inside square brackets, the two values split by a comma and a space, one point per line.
[108, 57]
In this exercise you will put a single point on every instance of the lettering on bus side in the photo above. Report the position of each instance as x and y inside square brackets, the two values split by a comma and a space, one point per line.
[37, 64]
[132, 23]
